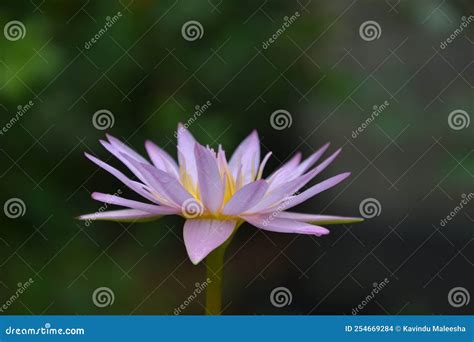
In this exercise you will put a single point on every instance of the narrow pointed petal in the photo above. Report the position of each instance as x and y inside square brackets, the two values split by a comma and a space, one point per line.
[125, 149]
[245, 198]
[246, 155]
[135, 186]
[167, 187]
[186, 143]
[116, 200]
[280, 175]
[161, 159]
[279, 225]
[123, 215]
[318, 219]
[211, 186]
[311, 160]
[203, 236]
[314, 190]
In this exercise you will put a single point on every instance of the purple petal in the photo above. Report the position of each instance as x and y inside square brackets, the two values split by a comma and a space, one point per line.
[186, 158]
[246, 155]
[161, 159]
[135, 186]
[314, 190]
[307, 163]
[150, 208]
[120, 146]
[281, 175]
[124, 215]
[203, 236]
[245, 198]
[279, 225]
[211, 186]
[165, 185]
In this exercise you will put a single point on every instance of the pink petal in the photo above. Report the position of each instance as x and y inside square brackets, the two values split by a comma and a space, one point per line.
[314, 190]
[161, 159]
[165, 185]
[281, 174]
[245, 198]
[203, 236]
[279, 225]
[307, 163]
[125, 149]
[124, 215]
[122, 156]
[186, 157]
[211, 186]
[246, 155]
[135, 186]
[319, 219]
[150, 208]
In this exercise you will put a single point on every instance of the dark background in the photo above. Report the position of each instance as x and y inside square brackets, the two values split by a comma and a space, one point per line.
[320, 70]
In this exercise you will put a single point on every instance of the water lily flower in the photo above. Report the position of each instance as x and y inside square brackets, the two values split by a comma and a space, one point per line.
[215, 195]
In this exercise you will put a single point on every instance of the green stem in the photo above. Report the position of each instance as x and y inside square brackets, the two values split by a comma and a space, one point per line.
[214, 266]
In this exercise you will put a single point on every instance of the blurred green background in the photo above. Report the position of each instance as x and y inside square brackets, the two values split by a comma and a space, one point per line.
[320, 70]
